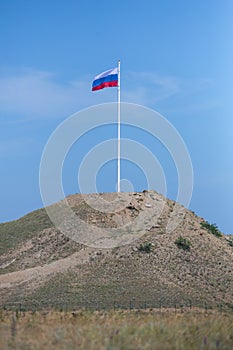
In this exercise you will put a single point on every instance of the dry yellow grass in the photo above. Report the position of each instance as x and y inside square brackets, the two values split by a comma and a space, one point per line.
[113, 330]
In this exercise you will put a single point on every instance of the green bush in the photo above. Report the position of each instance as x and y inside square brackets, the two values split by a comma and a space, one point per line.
[183, 243]
[145, 247]
[212, 228]
[230, 242]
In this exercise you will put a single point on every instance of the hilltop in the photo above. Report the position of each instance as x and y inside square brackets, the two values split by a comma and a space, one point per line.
[190, 265]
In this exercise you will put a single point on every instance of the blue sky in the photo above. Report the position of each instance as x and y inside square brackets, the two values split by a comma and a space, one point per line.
[176, 57]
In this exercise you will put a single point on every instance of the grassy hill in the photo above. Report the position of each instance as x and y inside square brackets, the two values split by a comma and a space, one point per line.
[40, 267]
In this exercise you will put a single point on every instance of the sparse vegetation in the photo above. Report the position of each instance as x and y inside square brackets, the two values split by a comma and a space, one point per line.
[145, 247]
[212, 228]
[183, 243]
[64, 275]
[17, 231]
[230, 242]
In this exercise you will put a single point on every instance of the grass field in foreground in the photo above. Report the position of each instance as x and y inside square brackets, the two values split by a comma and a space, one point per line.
[116, 330]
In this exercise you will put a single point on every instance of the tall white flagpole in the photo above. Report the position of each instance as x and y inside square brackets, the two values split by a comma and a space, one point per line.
[119, 128]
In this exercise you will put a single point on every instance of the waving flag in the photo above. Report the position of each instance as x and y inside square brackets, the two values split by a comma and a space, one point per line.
[110, 78]
[105, 79]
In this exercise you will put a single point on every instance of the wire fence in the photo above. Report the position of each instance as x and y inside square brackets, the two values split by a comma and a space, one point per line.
[132, 304]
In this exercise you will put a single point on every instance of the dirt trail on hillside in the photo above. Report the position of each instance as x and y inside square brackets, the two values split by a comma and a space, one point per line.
[41, 273]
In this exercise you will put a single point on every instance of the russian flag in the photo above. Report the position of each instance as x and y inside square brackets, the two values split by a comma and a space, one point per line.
[105, 79]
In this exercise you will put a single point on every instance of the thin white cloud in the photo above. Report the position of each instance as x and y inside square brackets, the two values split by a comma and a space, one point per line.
[31, 94]
[36, 93]
[150, 87]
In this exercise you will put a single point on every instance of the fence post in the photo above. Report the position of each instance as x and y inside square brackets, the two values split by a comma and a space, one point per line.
[181, 307]
[221, 308]
[206, 308]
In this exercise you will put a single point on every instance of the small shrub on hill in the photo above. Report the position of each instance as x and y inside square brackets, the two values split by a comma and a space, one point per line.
[145, 247]
[212, 228]
[230, 242]
[183, 243]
